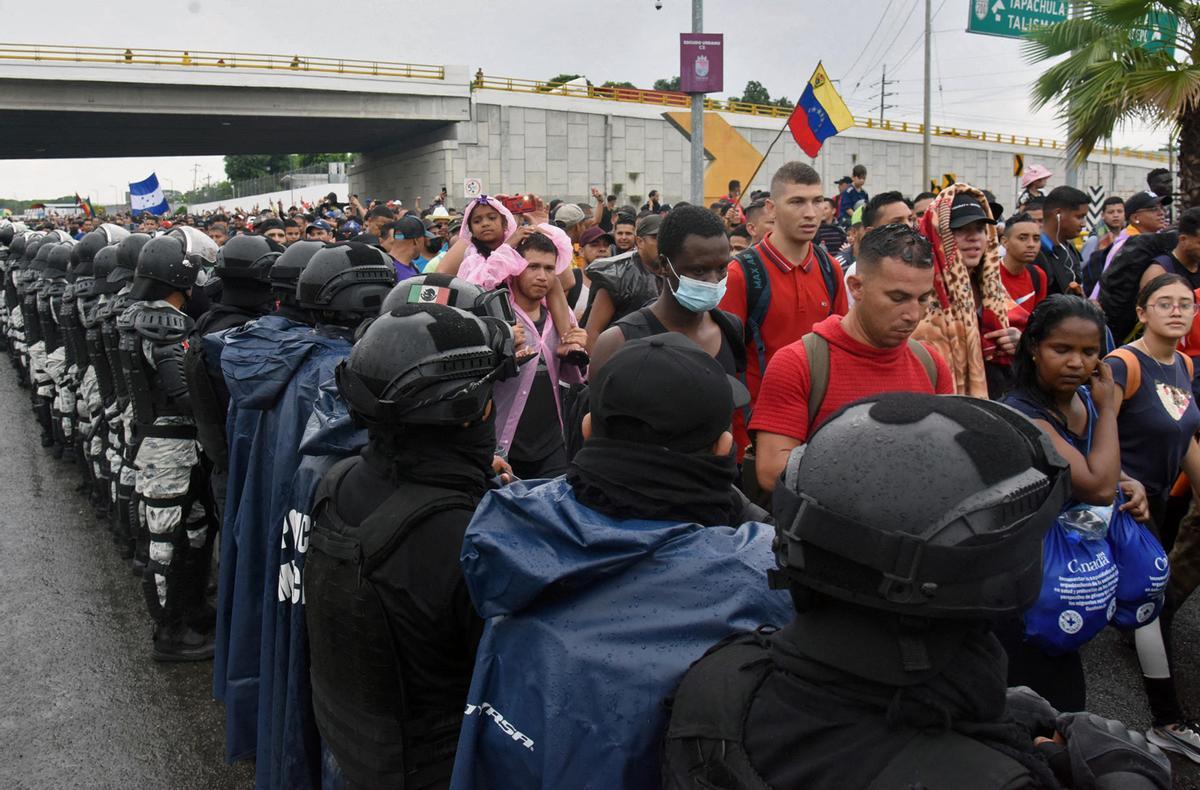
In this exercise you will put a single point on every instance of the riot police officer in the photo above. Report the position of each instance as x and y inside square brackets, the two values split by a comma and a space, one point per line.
[81, 310]
[122, 443]
[389, 523]
[889, 675]
[274, 368]
[243, 266]
[14, 277]
[51, 263]
[170, 478]
[284, 275]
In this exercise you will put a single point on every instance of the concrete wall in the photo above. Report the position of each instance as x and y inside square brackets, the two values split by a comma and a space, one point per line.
[560, 147]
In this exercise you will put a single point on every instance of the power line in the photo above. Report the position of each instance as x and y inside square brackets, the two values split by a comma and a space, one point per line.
[883, 52]
[898, 23]
[920, 37]
[867, 46]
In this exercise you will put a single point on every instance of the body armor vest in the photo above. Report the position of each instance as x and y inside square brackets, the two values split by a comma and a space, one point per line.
[359, 695]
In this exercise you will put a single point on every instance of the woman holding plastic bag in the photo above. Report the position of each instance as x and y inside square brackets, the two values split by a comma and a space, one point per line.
[1157, 423]
[1064, 389]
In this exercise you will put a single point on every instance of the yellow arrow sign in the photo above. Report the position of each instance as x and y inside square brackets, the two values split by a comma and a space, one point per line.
[730, 155]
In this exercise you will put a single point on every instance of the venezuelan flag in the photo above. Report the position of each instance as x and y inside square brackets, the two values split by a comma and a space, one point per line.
[819, 114]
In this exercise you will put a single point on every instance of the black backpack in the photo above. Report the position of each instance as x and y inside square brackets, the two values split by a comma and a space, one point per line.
[758, 297]
[359, 703]
[1120, 281]
[705, 740]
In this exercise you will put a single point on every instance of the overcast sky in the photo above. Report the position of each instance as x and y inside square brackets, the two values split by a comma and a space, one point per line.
[979, 82]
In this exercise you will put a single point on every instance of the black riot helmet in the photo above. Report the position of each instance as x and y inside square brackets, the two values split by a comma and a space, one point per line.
[58, 260]
[438, 288]
[76, 266]
[103, 265]
[247, 257]
[16, 248]
[32, 247]
[162, 262]
[344, 283]
[424, 364]
[971, 487]
[42, 254]
[285, 271]
[129, 249]
[7, 233]
[891, 593]
[93, 241]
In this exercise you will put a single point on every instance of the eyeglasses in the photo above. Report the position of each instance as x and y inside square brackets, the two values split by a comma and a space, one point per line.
[1166, 307]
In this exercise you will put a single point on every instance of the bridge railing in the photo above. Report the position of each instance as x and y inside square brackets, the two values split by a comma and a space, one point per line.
[682, 100]
[297, 64]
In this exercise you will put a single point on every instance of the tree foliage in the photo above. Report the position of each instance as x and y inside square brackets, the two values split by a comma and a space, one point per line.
[1108, 76]
[670, 84]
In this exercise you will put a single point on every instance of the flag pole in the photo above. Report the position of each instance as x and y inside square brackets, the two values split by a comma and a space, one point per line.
[763, 161]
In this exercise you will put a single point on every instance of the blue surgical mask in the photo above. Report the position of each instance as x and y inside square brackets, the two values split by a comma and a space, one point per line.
[697, 295]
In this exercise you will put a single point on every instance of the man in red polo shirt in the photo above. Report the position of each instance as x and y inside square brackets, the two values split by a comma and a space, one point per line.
[785, 284]
[868, 351]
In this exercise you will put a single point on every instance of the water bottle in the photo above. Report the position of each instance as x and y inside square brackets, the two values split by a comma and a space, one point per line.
[1090, 522]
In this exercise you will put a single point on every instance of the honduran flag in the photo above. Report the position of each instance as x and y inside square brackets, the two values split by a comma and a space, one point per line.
[147, 195]
[819, 114]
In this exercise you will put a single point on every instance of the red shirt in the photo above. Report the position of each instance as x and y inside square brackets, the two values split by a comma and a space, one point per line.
[856, 371]
[1020, 288]
[799, 299]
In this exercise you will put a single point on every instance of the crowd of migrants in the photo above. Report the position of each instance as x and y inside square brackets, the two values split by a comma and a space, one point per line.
[785, 491]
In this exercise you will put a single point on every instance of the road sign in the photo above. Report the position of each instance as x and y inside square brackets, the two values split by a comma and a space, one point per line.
[1013, 18]
[1018, 165]
[701, 64]
[1159, 33]
[1096, 197]
[472, 187]
[948, 179]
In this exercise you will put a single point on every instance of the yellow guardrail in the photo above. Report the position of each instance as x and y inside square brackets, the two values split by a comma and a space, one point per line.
[682, 100]
[218, 60]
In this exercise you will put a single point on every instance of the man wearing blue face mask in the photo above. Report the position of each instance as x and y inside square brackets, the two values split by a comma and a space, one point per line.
[693, 261]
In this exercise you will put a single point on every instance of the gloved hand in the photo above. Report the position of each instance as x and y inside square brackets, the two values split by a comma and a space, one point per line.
[1103, 749]
[1031, 711]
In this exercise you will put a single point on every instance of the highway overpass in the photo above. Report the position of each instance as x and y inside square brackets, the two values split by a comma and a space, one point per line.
[418, 128]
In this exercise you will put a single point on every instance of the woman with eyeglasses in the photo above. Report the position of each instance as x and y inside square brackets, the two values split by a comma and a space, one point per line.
[1157, 421]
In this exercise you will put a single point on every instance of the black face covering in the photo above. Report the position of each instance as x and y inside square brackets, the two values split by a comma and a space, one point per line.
[631, 480]
[458, 458]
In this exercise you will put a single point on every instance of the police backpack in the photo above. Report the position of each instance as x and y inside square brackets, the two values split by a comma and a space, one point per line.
[705, 741]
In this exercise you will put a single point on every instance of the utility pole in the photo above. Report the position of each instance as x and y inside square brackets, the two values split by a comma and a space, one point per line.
[884, 82]
[195, 175]
[926, 146]
[698, 119]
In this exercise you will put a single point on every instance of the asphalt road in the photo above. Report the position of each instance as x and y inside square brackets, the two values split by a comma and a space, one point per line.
[83, 705]
[81, 702]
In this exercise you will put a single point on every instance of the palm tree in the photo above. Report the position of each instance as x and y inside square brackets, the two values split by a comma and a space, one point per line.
[1110, 77]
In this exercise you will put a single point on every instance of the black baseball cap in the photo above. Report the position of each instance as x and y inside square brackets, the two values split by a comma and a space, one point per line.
[410, 227]
[664, 390]
[844, 180]
[966, 209]
[1144, 200]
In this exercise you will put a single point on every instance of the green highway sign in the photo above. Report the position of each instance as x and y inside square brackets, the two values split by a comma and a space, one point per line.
[1162, 28]
[1013, 18]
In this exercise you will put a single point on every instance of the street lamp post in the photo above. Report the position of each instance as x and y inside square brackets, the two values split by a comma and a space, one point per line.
[698, 119]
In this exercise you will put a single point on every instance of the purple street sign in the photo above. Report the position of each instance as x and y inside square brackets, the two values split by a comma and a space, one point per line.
[700, 62]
